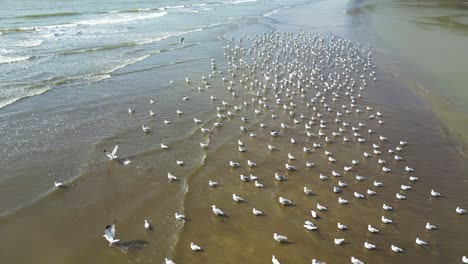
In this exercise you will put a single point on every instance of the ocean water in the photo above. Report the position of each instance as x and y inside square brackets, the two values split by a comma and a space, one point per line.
[69, 72]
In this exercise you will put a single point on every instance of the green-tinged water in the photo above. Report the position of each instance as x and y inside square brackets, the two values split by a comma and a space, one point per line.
[429, 39]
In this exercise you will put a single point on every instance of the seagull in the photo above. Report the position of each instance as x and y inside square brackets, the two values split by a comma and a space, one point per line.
[358, 195]
[147, 225]
[314, 214]
[356, 261]
[58, 184]
[275, 260]
[323, 177]
[167, 122]
[291, 157]
[244, 178]
[280, 238]
[342, 184]
[179, 216]
[430, 226]
[369, 245]
[421, 242]
[309, 225]
[405, 187]
[435, 194]
[251, 163]
[180, 162]
[109, 234]
[284, 201]
[237, 198]
[213, 183]
[310, 164]
[112, 155]
[386, 220]
[217, 211]
[465, 259]
[400, 196]
[386, 207]
[151, 113]
[178, 112]
[145, 129]
[270, 147]
[195, 247]
[168, 261]
[396, 249]
[408, 169]
[385, 169]
[290, 167]
[321, 207]
[339, 241]
[171, 177]
[274, 133]
[257, 212]
[234, 164]
[197, 121]
[341, 226]
[280, 177]
[131, 111]
[308, 191]
[413, 178]
[371, 192]
[342, 201]
[372, 229]
[460, 210]
[258, 185]
[378, 184]
[163, 146]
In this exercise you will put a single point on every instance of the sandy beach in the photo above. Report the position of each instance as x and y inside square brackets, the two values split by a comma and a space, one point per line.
[59, 134]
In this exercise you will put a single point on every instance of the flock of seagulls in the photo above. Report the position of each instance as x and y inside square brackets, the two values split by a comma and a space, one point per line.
[317, 82]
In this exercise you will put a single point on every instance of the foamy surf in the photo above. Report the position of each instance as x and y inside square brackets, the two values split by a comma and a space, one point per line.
[21, 94]
[5, 60]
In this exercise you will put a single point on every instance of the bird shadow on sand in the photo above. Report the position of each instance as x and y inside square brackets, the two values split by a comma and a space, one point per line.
[131, 246]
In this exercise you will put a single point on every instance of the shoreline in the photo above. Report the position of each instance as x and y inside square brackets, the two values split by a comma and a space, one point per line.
[141, 191]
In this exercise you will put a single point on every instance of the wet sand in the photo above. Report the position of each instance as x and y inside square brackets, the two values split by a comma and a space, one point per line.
[67, 225]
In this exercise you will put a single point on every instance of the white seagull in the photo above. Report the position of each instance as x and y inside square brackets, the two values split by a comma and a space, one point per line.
[372, 229]
[396, 249]
[339, 241]
[460, 210]
[179, 216]
[217, 211]
[341, 226]
[257, 212]
[421, 242]
[280, 238]
[284, 201]
[308, 191]
[429, 226]
[274, 260]
[237, 198]
[109, 234]
[195, 247]
[168, 261]
[356, 261]
[145, 128]
[369, 245]
[112, 155]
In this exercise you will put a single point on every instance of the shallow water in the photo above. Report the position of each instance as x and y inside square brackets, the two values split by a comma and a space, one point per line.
[61, 135]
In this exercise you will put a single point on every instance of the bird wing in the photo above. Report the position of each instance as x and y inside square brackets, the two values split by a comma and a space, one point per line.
[115, 150]
[109, 232]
